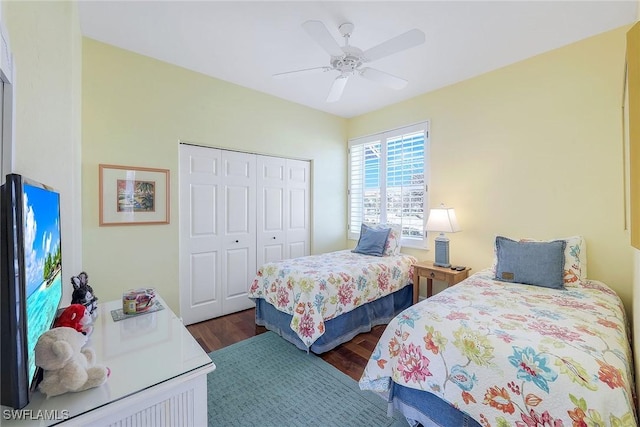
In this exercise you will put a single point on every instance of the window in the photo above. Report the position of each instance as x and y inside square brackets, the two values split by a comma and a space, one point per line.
[388, 181]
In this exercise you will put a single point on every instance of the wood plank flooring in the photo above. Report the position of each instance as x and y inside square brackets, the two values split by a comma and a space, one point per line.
[350, 357]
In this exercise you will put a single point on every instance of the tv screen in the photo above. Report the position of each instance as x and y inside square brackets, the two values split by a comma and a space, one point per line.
[31, 281]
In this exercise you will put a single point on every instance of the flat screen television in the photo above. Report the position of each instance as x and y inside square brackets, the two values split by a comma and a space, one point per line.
[31, 287]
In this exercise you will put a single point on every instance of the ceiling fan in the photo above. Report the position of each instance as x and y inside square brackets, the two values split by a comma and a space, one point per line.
[348, 60]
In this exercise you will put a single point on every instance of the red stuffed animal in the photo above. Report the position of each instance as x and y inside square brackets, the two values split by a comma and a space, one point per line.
[75, 316]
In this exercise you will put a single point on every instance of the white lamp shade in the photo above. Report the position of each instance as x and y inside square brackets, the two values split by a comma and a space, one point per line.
[442, 219]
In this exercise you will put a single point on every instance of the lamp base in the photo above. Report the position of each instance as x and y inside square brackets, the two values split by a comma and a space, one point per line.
[442, 252]
[437, 264]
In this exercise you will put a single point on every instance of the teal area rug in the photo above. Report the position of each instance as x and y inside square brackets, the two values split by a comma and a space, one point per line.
[266, 381]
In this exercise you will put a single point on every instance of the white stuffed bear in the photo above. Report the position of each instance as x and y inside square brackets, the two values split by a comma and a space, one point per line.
[66, 365]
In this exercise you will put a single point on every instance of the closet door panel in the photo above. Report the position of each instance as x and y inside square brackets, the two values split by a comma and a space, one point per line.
[200, 241]
[238, 278]
[239, 231]
[298, 187]
[271, 242]
[272, 215]
[203, 267]
[237, 203]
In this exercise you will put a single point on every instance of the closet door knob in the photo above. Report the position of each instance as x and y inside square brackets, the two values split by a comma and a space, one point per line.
[237, 241]
[274, 237]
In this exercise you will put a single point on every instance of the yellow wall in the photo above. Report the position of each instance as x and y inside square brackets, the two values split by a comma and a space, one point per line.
[135, 110]
[531, 150]
[46, 43]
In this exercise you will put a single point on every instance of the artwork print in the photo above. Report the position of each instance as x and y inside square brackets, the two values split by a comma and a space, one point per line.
[133, 195]
[136, 196]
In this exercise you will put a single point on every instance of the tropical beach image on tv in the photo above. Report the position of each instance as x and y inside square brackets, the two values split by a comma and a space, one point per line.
[43, 262]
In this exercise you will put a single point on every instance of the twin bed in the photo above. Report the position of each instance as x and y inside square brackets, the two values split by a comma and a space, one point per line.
[321, 301]
[542, 346]
[551, 350]
[508, 354]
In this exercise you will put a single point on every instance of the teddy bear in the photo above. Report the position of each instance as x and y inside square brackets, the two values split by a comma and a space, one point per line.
[83, 293]
[66, 365]
[75, 316]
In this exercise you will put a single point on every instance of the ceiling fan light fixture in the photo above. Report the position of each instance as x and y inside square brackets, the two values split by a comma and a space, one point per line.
[346, 64]
[348, 60]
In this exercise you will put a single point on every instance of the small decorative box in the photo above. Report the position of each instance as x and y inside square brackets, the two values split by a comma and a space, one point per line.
[139, 300]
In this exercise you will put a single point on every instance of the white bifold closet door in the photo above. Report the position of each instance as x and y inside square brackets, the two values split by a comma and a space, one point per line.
[237, 212]
[238, 230]
[217, 232]
[283, 208]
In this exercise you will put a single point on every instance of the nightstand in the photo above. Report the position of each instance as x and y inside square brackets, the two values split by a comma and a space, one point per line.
[431, 272]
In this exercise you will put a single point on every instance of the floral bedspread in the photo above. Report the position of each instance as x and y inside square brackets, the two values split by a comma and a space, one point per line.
[514, 355]
[317, 288]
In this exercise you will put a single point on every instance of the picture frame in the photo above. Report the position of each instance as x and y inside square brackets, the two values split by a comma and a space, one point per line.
[132, 195]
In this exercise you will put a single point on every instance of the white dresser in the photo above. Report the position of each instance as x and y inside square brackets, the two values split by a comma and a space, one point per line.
[158, 377]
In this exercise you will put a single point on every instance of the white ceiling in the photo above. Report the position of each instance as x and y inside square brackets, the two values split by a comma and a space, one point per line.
[247, 42]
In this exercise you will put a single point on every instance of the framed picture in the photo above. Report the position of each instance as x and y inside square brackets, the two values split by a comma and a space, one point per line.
[132, 195]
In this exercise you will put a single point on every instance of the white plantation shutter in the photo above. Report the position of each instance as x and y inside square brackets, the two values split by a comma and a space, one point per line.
[356, 188]
[387, 181]
[365, 183]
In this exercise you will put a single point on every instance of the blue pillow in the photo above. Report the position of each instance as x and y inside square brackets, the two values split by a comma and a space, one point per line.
[531, 263]
[372, 240]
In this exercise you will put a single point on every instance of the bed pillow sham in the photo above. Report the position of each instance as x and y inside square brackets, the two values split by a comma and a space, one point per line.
[372, 240]
[393, 242]
[392, 246]
[530, 263]
[575, 258]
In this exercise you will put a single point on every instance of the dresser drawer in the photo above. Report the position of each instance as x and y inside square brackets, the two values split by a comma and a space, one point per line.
[437, 275]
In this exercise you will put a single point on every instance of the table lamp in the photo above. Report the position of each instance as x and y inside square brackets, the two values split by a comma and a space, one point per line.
[444, 220]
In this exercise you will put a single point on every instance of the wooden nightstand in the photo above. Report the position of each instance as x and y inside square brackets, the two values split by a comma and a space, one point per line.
[431, 272]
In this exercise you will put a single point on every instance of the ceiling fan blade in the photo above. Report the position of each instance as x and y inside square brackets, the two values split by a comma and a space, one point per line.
[314, 70]
[337, 88]
[320, 34]
[397, 44]
[381, 77]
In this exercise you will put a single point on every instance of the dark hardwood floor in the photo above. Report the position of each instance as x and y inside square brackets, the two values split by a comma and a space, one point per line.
[350, 357]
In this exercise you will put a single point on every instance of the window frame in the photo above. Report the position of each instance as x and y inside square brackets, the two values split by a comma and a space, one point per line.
[383, 138]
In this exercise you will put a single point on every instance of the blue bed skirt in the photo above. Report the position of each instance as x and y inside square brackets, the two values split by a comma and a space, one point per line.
[427, 409]
[339, 329]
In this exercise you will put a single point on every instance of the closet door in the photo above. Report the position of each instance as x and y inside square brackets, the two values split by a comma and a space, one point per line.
[237, 212]
[200, 238]
[239, 229]
[298, 177]
[271, 209]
